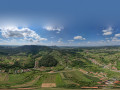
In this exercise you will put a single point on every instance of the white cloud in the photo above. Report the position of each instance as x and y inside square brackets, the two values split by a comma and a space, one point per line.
[107, 31]
[79, 37]
[116, 38]
[117, 35]
[58, 32]
[53, 28]
[60, 40]
[70, 40]
[15, 32]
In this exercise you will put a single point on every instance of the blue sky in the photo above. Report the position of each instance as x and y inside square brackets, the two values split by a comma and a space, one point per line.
[60, 22]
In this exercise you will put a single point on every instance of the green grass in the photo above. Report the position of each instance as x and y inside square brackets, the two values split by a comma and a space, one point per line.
[21, 78]
[59, 81]
[3, 77]
[79, 78]
[68, 79]
[17, 79]
[40, 80]
[50, 78]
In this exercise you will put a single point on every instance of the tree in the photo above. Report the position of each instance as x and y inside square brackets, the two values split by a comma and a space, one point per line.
[48, 61]
[17, 64]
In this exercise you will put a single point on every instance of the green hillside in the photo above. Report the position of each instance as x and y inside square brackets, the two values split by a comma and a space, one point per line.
[61, 67]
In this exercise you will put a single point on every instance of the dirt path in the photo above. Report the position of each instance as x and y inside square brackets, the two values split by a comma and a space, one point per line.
[28, 83]
[48, 85]
[6, 77]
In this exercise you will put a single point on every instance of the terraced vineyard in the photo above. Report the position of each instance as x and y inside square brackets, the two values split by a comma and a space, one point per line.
[50, 78]
[79, 79]
[29, 79]
[19, 80]
[43, 79]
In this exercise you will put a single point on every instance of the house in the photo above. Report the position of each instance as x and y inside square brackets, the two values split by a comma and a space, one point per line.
[83, 71]
[99, 82]
[116, 82]
[109, 82]
[51, 72]
[100, 75]
[102, 78]
[114, 68]
[91, 72]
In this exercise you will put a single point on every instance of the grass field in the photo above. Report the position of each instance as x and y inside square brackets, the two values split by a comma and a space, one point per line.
[14, 80]
[35, 79]
[3, 77]
[50, 78]
[59, 81]
[29, 79]
[78, 78]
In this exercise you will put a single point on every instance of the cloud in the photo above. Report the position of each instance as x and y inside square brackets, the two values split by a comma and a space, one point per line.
[15, 32]
[107, 31]
[60, 40]
[88, 42]
[116, 38]
[117, 35]
[79, 38]
[70, 40]
[58, 32]
[53, 28]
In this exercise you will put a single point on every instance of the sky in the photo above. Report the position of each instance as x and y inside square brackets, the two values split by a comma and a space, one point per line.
[60, 22]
